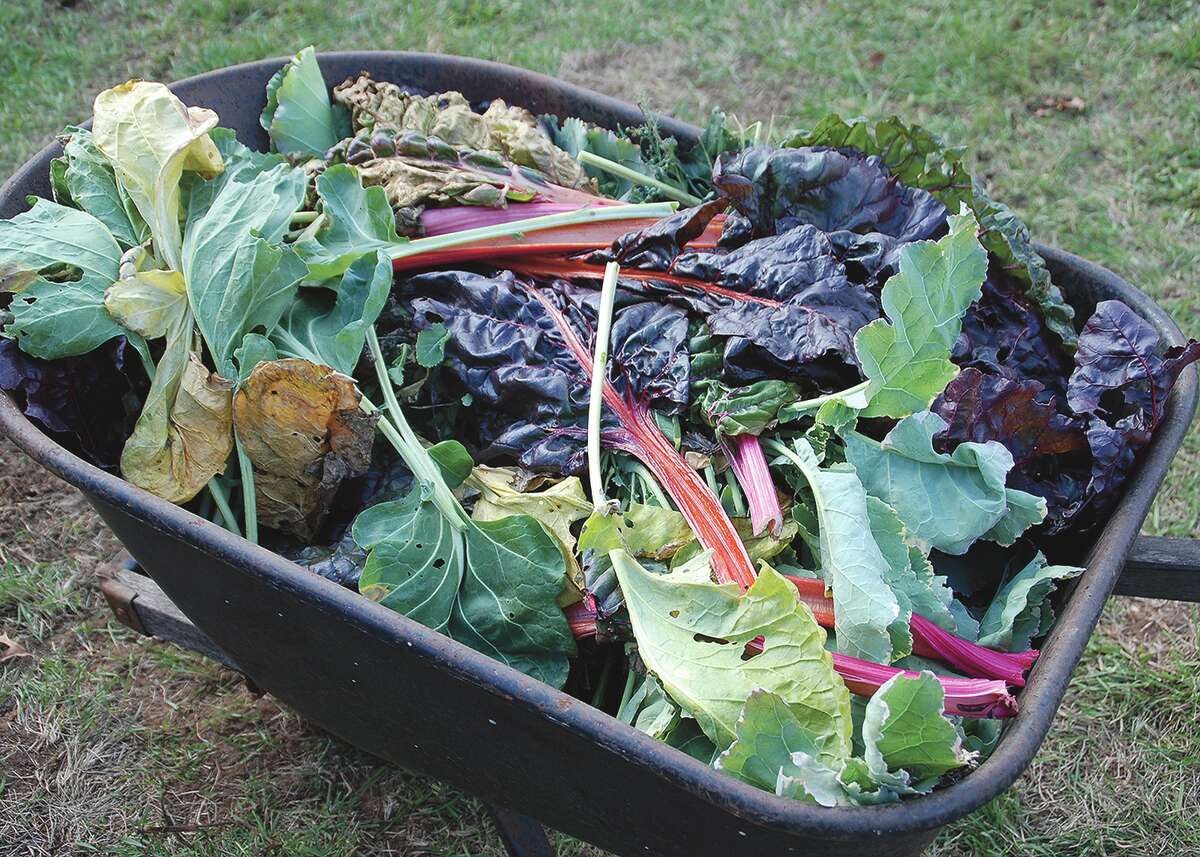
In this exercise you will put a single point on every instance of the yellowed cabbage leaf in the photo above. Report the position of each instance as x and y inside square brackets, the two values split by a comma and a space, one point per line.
[148, 302]
[151, 137]
[184, 434]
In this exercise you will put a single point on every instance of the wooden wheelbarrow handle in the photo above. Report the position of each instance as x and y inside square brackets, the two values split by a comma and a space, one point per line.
[1160, 567]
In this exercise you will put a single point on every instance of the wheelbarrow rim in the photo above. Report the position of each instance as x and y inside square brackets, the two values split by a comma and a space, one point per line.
[1038, 702]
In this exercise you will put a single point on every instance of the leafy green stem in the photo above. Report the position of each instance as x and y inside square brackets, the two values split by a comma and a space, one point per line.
[217, 490]
[809, 405]
[399, 433]
[249, 501]
[632, 175]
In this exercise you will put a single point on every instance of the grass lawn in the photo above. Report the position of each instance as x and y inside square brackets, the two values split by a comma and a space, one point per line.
[112, 745]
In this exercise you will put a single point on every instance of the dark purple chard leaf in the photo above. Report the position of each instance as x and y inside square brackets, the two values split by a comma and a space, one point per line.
[88, 403]
[1120, 387]
[835, 190]
[1118, 354]
[656, 247]
[1005, 333]
[505, 351]
[979, 407]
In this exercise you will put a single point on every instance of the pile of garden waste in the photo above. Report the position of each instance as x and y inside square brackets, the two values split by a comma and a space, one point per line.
[763, 443]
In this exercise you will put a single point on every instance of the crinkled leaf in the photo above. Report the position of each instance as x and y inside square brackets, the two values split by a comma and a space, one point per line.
[304, 432]
[1021, 611]
[979, 407]
[919, 159]
[906, 358]
[331, 329]
[692, 633]
[946, 501]
[511, 132]
[88, 403]
[299, 116]
[834, 190]
[150, 137]
[183, 437]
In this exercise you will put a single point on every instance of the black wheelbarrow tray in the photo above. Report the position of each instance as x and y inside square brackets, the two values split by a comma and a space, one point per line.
[419, 699]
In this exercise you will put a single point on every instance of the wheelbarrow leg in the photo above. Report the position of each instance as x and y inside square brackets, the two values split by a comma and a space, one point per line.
[522, 836]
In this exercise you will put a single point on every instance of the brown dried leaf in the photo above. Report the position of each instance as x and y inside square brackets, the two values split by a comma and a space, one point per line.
[10, 649]
[303, 429]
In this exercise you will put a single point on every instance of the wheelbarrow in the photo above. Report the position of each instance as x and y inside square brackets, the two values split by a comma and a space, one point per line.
[422, 701]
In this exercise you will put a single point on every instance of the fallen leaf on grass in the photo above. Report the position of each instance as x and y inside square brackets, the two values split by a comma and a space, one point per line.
[1059, 104]
[10, 649]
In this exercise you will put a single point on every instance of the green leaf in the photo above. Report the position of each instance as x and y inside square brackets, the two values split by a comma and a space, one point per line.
[908, 745]
[507, 607]
[454, 460]
[911, 575]
[255, 349]
[692, 633]
[357, 221]
[237, 281]
[1024, 511]
[431, 345]
[52, 236]
[298, 115]
[331, 330]
[88, 181]
[946, 501]
[650, 710]
[644, 531]
[906, 359]
[150, 137]
[58, 317]
[742, 410]
[905, 731]
[868, 617]
[575, 136]
[1021, 610]
[53, 320]
[769, 732]
[557, 507]
[415, 565]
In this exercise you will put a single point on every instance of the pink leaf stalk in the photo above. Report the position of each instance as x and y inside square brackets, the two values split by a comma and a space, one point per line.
[930, 641]
[750, 467]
